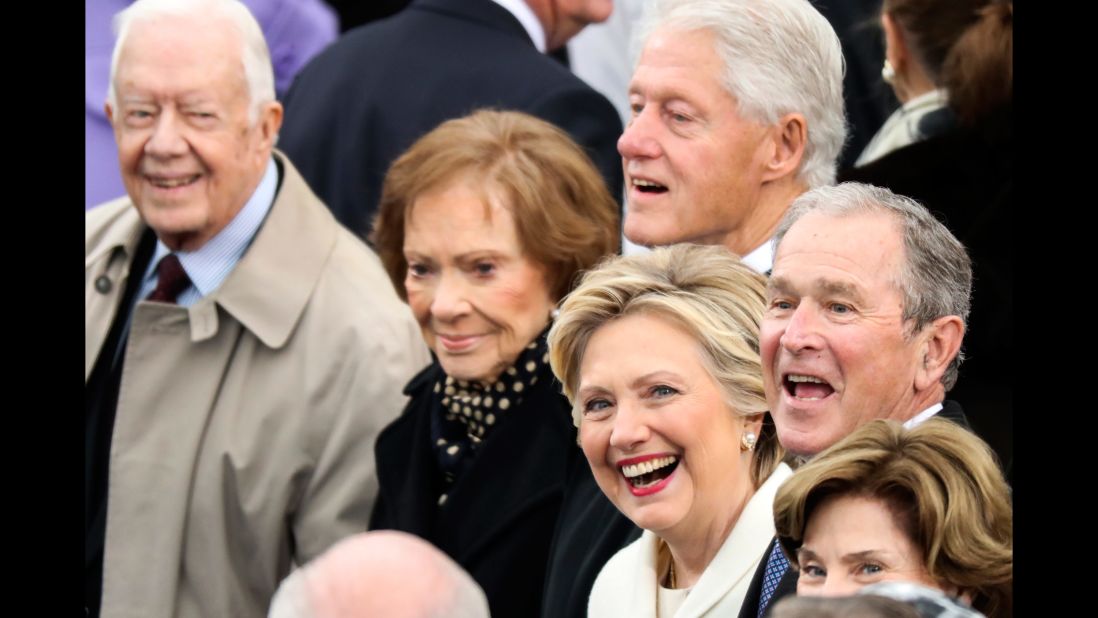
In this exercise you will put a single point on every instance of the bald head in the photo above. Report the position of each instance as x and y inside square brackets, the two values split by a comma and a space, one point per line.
[382, 573]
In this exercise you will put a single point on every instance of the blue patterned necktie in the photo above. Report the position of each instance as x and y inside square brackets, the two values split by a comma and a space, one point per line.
[776, 566]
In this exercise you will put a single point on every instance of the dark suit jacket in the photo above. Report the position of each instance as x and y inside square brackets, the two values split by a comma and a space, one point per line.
[787, 585]
[589, 532]
[364, 100]
[498, 518]
[966, 178]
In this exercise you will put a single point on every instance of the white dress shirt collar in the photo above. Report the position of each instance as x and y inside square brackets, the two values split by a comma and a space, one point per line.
[525, 15]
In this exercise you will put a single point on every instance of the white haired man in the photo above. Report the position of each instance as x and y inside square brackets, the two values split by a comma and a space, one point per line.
[737, 110]
[241, 348]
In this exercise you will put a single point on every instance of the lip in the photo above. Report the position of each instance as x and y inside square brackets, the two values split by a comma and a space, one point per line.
[651, 489]
[643, 458]
[458, 343]
[805, 405]
[153, 179]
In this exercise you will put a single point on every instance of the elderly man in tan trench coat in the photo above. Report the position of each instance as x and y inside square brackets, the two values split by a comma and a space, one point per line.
[230, 419]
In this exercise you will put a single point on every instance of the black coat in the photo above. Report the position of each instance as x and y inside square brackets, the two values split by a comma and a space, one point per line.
[589, 532]
[966, 178]
[498, 519]
[365, 99]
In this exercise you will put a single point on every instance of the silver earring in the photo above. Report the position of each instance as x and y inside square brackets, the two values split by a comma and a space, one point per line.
[887, 72]
[747, 441]
[554, 313]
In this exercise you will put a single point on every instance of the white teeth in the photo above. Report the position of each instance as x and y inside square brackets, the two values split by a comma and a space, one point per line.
[169, 183]
[797, 378]
[637, 182]
[645, 467]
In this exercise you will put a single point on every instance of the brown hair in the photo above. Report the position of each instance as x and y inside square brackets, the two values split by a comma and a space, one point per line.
[565, 217]
[945, 487]
[967, 47]
[705, 290]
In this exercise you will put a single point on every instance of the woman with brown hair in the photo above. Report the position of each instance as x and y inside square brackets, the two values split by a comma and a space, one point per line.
[948, 62]
[926, 505]
[483, 225]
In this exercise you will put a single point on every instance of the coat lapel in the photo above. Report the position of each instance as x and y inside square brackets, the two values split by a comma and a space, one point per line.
[518, 469]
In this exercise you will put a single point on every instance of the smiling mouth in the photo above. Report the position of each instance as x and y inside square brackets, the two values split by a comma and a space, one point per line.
[648, 473]
[174, 182]
[806, 388]
[458, 343]
[647, 186]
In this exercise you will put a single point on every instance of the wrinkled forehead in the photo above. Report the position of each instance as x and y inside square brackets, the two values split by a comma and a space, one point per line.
[171, 45]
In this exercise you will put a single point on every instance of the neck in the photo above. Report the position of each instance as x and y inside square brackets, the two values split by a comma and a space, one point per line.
[774, 199]
[914, 82]
[921, 401]
[692, 551]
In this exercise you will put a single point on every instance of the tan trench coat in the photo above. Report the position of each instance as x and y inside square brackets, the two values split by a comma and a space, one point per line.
[245, 425]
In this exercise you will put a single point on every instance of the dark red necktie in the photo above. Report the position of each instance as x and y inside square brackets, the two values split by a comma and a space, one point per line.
[171, 279]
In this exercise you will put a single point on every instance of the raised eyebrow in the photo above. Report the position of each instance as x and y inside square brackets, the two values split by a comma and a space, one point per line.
[587, 390]
[803, 553]
[649, 379]
[838, 288]
[861, 556]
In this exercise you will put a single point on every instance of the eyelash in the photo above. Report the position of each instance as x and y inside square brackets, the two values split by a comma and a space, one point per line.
[484, 269]
[658, 387]
[589, 406]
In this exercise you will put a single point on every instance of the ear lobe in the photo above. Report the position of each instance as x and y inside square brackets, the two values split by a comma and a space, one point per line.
[110, 113]
[941, 343]
[790, 136]
[753, 423]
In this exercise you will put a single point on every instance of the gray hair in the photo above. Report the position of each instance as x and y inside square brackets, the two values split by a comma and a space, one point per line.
[779, 57]
[936, 277]
[255, 57]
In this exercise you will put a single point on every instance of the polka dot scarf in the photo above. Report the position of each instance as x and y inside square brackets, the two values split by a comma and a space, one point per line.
[468, 411]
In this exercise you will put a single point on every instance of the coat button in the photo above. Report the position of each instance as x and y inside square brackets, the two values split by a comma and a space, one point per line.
[102, 284]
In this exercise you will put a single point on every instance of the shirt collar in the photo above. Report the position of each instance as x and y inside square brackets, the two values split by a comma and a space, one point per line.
[525, 15]
[761, 260]
[922, 416]
[208, 265]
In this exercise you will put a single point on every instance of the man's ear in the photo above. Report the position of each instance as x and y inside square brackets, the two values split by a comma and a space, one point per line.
[940, 344]
[789, 135]
[270, 121]
[110, 112]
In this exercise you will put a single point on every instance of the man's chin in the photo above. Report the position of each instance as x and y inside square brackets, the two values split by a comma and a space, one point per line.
[647, 233]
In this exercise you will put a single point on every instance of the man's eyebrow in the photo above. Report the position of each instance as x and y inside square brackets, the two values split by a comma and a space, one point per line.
[831, 287]
[779, 284]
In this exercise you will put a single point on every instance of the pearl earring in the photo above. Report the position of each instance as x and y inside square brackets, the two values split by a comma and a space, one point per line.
[887, 72]
[747, 441]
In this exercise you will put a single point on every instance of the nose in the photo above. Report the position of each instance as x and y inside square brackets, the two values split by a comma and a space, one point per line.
[167, 138]
[835, 586]
[450, 301]
[630, 429]
[802, 331]
[638, 140]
